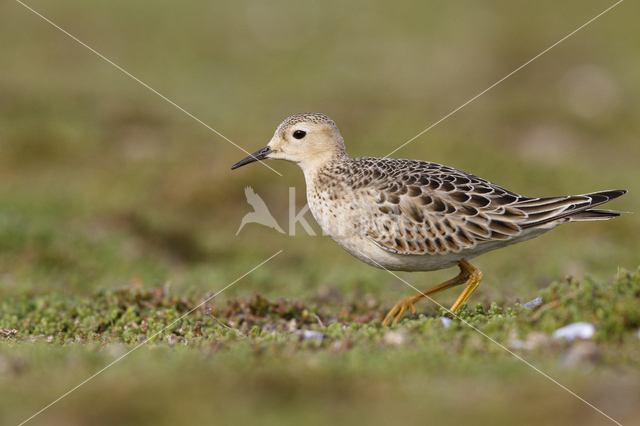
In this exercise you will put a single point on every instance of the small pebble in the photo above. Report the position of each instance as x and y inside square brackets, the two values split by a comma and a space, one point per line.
[172, 339]
[535, 302]
[393, 338]
[311, 334]
[582, 330]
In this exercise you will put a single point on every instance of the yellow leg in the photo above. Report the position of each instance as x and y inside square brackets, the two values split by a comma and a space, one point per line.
[474, 282]
[467, 273]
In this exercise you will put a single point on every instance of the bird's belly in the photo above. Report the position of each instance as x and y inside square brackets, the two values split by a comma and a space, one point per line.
[349, 230]
[371, 254]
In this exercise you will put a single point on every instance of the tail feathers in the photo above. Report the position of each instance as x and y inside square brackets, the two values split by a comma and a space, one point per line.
[568, 209]
[602, 197]
[595, 214]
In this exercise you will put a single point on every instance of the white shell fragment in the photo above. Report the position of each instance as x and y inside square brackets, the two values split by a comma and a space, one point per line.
[582, 330]
[535, 302]
[445, 321]
[395, 338]
[311, 334]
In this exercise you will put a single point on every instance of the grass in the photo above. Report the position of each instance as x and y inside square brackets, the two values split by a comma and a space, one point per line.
[118, 213]
[347, 361]
[134, 314]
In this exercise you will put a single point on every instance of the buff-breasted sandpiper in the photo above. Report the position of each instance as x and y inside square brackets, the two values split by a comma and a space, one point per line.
[411, 215]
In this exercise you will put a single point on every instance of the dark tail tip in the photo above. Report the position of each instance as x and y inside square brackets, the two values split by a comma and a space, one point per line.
[602, 197]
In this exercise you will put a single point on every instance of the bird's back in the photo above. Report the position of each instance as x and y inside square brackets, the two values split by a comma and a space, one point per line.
[411, 208]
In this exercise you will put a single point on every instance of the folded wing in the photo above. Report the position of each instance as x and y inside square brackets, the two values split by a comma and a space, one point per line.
[426, 208]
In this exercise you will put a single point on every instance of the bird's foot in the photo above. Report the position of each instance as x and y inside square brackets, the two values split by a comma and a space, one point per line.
[400, 308]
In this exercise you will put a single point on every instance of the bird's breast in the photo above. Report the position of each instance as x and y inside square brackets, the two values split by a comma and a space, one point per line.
[332, 212]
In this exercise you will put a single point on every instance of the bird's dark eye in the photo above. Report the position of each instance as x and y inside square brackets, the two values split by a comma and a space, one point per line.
[299, 134]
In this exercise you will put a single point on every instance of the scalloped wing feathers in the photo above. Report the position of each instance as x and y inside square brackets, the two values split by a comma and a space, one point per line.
[426, 208]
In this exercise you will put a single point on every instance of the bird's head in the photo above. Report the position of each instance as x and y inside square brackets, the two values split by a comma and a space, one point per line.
[308, 140]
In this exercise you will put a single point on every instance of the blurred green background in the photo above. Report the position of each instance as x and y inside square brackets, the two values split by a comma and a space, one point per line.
[103, 183]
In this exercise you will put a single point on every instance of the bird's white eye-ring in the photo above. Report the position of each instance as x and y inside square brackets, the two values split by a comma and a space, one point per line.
[299, 134]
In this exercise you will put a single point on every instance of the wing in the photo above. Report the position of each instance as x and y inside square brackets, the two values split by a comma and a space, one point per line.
[426, 208]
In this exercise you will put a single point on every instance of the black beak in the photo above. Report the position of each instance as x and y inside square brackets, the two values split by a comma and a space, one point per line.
[260, 154]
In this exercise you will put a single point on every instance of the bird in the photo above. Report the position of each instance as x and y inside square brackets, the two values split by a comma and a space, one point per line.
[260, 214]
[413, 215]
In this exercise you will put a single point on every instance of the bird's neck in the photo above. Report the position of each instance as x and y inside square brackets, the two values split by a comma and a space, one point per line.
[318, 163]
[326, 171]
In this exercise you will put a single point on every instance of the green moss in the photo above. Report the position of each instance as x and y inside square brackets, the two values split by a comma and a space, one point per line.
[131, 315]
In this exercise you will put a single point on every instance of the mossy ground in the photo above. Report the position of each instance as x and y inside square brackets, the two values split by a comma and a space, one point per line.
[345, 361]
[133, 315]
[119, 214]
